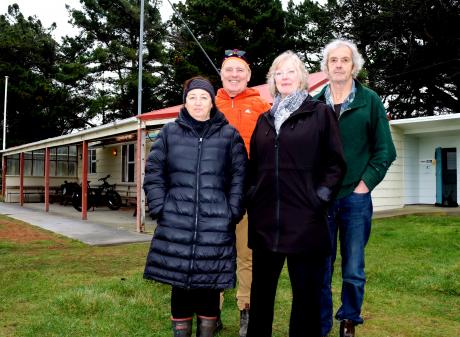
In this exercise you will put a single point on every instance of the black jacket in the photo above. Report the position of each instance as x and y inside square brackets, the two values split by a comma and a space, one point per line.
[194, 187]
[292, 178]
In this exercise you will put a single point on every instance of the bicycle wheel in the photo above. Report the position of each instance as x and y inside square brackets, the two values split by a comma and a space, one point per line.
[113, 200]
[76, 202]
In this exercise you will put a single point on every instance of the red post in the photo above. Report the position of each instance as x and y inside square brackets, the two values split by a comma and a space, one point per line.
[84, 181]
[4, 168]
[21, 178]
[140, 227]
[47, 179]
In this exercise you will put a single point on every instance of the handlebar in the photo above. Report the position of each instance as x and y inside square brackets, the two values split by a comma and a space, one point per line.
[104, 179]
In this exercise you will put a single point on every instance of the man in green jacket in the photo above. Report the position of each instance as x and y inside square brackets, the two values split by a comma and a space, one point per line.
[369, 152]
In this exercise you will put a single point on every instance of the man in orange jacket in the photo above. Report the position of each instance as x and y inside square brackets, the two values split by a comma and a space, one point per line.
[241, 106]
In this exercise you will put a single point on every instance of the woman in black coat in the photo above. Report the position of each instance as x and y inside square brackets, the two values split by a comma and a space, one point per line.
[194, 181]
[296, 165]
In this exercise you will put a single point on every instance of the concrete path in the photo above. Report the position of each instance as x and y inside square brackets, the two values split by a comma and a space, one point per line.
[106, 227]
[83, 230]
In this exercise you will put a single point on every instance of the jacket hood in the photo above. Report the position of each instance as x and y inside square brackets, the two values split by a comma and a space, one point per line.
[217, 120]
[248, 92]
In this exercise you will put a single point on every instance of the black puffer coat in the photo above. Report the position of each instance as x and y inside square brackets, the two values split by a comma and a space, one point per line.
[292, 176]
[194, 187]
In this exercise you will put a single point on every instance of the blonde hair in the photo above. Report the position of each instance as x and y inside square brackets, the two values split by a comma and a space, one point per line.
[357, 58]
[299, 66]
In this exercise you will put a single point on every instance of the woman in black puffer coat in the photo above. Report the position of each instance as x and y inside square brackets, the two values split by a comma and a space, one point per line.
[194, 183]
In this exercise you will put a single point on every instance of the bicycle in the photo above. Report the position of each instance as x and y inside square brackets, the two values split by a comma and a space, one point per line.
[102, 195]
[67, 190]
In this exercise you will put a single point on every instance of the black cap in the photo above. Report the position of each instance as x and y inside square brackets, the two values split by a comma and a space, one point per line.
[199, 83]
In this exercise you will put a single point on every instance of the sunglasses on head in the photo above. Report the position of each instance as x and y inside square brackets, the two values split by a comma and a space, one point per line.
[236, 53]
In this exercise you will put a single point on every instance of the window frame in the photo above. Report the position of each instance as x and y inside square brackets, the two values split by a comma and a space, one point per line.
[92, 161]
[128, 173]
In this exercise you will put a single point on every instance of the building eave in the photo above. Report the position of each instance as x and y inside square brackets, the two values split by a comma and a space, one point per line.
[117, 127]
[418, 126]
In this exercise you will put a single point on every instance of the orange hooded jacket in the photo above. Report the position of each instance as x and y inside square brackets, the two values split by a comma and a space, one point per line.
[242, 111]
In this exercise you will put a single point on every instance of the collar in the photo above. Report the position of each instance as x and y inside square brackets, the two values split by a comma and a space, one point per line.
[346, 103]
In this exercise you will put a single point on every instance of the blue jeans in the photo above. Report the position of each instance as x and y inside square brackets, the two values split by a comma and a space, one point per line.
[350, 218]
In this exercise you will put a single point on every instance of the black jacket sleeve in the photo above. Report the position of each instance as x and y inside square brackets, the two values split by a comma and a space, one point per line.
[155, 181]
[334, 164]
[238, 177]
[252, 169]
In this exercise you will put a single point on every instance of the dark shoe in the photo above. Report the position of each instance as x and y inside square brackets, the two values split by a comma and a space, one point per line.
[182, 327]
[347, 328]
[206, 327]
[244, 321]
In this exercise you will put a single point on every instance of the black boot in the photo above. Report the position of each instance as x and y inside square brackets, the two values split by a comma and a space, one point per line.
[347, 328]
[206, 326]
[244, 322]
[219, 324]
[182, 327]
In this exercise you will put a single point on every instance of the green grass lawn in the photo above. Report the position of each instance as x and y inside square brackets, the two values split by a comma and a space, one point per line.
[53, 286]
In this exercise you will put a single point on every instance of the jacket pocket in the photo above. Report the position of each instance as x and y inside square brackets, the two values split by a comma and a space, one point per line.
[311, 193]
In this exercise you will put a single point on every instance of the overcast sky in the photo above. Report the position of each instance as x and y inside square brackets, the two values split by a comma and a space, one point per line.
[49, 11]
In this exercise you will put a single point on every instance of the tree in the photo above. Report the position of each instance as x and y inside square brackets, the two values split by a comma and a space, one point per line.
[412, 52]
[310, 26]
[256, 26]
[107, 49]
[39, 104]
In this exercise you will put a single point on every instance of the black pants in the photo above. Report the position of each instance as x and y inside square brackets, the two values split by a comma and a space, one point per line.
[306, 275]
[187, 302]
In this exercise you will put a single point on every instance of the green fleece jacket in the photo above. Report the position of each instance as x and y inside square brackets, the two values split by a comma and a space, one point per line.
[366, 139]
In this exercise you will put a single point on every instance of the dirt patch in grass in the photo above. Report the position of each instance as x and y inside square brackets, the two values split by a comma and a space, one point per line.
[21, 233]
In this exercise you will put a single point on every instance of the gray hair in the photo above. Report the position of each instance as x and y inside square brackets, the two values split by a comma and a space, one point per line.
[357, 58]
[299, 66]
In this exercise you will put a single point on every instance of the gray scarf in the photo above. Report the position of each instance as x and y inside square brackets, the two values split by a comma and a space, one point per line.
[283, 108]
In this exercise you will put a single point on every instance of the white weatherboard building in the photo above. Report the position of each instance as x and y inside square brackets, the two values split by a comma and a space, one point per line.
[417, 175]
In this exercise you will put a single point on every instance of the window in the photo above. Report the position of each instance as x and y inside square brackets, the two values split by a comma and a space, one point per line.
[128, 156]
[73, 161]
[34, 164]
[91, 161]
[38, 163]
[28, 162]
[63, 162]
[12, 165]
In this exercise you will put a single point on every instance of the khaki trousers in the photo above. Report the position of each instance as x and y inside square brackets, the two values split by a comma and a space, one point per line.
[243, 266]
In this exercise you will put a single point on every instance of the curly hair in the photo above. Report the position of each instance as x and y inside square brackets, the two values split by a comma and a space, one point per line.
[357, 58]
